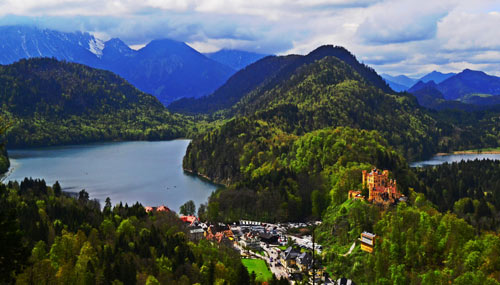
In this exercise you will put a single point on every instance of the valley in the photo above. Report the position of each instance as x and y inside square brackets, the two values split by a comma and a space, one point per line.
[282, 140]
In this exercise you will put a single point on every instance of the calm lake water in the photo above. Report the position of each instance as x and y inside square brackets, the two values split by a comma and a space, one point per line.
[148, 172]
[440, 159]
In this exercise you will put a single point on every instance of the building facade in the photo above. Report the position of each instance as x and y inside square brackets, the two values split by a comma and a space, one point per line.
[381, 189]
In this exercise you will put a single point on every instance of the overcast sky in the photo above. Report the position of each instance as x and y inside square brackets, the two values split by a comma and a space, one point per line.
[410, 37]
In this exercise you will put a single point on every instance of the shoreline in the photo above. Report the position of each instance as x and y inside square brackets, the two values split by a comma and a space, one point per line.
[204, 177]
[468, 152]
[13, 165]
[90, 143]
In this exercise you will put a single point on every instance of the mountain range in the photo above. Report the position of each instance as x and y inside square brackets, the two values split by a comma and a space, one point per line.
[467, 87]
[235, 59]
[165, 68]
[402, 82]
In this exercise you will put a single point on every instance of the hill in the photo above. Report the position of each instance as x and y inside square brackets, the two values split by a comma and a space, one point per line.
[268, 73]
[236, 59]
[274, 176]
[468, 82]
[253, 152]
[241, 83]
[165, 68]
[51, 102]
[436, 76]
[427, 94]
[304, 136]
[329, 93]
[464, 85]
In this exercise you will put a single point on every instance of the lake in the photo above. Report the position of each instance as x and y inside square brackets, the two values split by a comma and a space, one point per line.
[440, 159]
[148, 172]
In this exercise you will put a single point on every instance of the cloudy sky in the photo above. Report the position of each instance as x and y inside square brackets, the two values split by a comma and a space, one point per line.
[410, 37]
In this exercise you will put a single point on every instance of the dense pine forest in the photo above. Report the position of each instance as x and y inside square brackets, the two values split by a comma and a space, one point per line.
[470, 189]
[416, 244]
[49, 102]
[254, 153]
[274, 176]
[51, 238]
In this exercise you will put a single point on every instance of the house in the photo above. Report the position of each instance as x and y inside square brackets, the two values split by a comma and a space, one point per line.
[355, 195]
[219, 233]
[237, 232]
[289, 256]
[268, 237]
[190, 220]
[161, 208]
[367, 241]
[249, 223]
[250, 241]
[196, 233]
[304, 261]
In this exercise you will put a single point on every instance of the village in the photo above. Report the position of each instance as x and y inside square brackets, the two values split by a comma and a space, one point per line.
[279, 247]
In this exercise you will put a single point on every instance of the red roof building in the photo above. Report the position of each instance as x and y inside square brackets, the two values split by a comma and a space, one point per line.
[161, 208]
[189, 219]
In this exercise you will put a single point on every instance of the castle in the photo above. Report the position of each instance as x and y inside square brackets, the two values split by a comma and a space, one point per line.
[381, 189]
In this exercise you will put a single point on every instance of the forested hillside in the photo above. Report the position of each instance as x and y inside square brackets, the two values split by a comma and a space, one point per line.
[50, 102]
[275, 176]
[253, 153]
[415, 244]
[470, 189]
[269, 73]
[329, 93]
[50, 238]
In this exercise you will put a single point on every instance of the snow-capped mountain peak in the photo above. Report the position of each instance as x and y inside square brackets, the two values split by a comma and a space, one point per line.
[96, 46]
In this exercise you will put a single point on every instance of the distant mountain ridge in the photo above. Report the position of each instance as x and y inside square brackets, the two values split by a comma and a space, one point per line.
[436, 76]
[402, 82]
[18, 42]
[465, 83]
[167, 69]
[236, 59]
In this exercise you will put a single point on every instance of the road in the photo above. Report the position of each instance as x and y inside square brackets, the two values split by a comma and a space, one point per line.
[278, 270]
[350, 249]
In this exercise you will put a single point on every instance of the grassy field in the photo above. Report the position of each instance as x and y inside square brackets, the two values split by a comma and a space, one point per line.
[258, 266]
